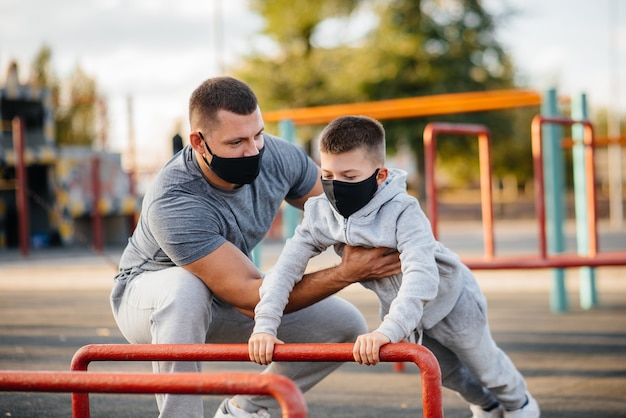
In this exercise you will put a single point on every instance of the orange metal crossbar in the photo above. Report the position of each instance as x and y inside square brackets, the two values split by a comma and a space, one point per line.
[424, 359]
[285, 391]
[440, 104]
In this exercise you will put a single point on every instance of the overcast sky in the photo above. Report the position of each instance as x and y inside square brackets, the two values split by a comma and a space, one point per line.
[158, 51]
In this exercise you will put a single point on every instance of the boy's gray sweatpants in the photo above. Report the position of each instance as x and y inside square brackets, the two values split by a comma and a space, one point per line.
[173, 306]
[471, 362]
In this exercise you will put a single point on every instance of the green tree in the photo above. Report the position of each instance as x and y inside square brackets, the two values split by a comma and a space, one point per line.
[299, 73]
[439, 46]
[42, 74]
[417, 48]
[74, 100]
[76, 119]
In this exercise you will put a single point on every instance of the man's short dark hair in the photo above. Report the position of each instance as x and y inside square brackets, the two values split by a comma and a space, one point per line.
[220, 93]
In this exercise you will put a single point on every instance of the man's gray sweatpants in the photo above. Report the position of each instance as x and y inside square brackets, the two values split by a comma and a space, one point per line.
[173, 306]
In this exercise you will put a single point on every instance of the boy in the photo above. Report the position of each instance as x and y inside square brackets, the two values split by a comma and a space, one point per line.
[436, 299]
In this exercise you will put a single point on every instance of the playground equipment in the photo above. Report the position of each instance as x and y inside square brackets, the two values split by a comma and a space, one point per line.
[547, 155]
[427, 363]
[286, 392]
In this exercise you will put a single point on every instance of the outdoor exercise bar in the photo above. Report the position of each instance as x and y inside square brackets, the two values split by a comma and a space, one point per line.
[340, 352]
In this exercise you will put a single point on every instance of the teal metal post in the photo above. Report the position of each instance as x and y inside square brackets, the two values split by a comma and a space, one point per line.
[291, 215]
[257, 255]
[587, 275]
[553, 168]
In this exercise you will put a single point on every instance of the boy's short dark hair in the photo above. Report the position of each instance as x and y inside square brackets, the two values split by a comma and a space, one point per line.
[350, 132]
[220, 93]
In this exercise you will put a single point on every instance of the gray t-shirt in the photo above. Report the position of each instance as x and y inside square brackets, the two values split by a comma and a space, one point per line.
[184, 217]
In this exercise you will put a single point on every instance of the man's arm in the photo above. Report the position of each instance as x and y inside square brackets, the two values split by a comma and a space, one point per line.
[230, 275]
[357, 264]
[234, 279]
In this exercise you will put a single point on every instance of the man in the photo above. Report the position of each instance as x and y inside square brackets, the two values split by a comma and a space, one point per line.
[186, 276]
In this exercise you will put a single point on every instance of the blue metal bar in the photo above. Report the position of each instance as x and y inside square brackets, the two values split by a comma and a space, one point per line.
[291, 215]
[587, 275]
[553, 177]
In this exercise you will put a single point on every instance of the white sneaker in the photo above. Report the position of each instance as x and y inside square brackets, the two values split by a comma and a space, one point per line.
[227, 409]
[530, 410]
[478, 412]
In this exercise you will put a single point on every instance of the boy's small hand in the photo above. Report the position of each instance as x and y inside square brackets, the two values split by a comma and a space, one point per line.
[367, 347]
[261, 348]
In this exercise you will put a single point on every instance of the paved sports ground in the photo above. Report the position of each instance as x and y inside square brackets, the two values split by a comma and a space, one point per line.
[56, 301]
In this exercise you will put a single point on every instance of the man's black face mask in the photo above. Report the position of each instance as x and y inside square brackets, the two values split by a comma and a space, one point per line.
[238, 170]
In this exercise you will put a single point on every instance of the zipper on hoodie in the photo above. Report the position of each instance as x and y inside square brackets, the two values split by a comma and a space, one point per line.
[345, 230]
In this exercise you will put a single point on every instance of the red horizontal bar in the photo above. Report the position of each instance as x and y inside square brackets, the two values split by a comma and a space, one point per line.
[551, 261]
[285, 391]
[424, 359]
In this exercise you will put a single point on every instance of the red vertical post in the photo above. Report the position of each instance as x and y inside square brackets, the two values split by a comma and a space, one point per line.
[589, 143]
[590, 167]
[430, 145]
[540, 205]
[21, 191]
[96, 217]
[484, 148]
[486, 193]
[132, 220]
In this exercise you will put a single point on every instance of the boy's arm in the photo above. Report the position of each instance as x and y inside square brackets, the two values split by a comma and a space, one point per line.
[420, 274]
[358, 264]
[282, 277]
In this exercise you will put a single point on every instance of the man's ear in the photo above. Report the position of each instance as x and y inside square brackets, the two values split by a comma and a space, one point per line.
[382, 175]
[196, 142]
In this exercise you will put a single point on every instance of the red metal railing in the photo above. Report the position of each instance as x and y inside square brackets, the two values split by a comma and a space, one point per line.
[542, 260]
[286, 392]
[427, 363]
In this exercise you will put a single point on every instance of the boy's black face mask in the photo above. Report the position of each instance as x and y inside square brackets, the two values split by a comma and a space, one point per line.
[348, 198]
[239, 170]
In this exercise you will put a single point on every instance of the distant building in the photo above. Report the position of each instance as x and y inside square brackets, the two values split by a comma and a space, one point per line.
[60, 180]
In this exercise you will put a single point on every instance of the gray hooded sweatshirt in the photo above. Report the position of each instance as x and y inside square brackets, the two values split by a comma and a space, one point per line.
[432, 275]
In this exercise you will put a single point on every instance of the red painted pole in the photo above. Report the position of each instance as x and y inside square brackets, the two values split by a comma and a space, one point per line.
[427, 363]
[21, 191]
[589, 143]
[484, 153]
[486, 190]
[96, 216]
[286, 392]
[430, 147]
[592, 213]
[540, 205]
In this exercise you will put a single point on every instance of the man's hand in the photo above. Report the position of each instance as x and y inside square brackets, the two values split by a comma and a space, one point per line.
[367, 348]
[363, 264]
[357, 265]
[261, 348]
